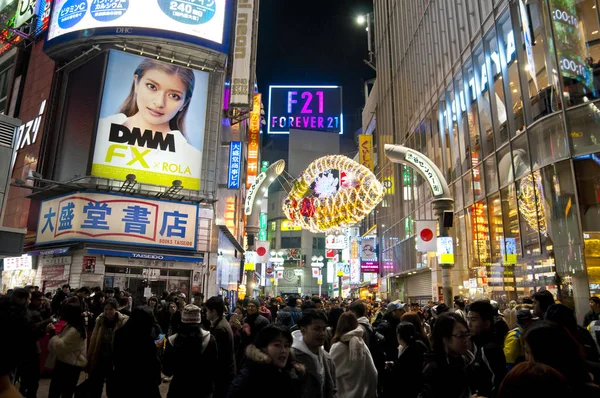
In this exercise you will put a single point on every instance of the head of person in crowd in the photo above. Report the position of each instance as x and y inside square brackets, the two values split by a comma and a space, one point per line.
[215, 308]
[172, 307]
[549, 343]
[415, 319]
[524, 318]
[109, 293]
[395, 310]
[480, 317]
[307, 304]
[358, 308]
[562, 315]
[226, 300]
[313, 325]
[36, 299]
[21, 297]
[191, 317]
[275, 341]
[123, 303]
[83, 293]
[459, 303]
[99, 298]
[406, 333]
[427, 315]
[153, 303]
[527, 300]
[140, 322]
[595, 304]
[29, 288]
[272, 302]
[298, 302]
[415, 307]
[110, 309]
[440, 309]
[71, 314]
[347, 323]
[48, 295]
[253, 306]
[451, 335]
[541, 301]
[317, 302]
[533, 379]
[240, 311]
[334, 317]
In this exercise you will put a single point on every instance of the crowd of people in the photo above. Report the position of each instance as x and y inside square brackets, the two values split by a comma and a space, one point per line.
[310, 347]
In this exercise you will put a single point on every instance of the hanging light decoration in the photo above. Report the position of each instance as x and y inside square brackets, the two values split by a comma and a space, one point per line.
[332, 193]
[530, 204]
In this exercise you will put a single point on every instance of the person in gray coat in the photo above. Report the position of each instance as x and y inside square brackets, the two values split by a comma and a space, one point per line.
[309, 351]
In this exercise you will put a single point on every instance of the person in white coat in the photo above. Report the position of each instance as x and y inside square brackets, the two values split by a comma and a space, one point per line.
[355, 371]
[70, 350]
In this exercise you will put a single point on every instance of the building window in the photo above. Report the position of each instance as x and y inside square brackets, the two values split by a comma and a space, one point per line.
[318, 243]
[6, 69]
[291, 242]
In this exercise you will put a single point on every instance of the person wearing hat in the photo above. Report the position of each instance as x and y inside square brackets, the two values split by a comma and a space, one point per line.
[387, 328]
[189, 353]
[513, 343]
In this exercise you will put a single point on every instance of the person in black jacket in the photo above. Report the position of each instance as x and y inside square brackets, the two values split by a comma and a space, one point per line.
[387, 328]
[190, 357]
[409, 364]
[221, 330]
[270, 368]
[253, 323]
[489, 366]
[136, 365]
[445, 373]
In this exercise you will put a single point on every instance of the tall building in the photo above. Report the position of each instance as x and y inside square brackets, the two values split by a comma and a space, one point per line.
[502, 96]
[121, 175]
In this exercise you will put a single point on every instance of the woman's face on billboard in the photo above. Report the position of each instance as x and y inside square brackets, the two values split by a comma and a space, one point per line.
[159, 96]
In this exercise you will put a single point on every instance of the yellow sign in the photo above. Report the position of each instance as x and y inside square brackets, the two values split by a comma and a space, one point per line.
[388, 183]
[253, 142]
[249, 267]
[365, 150]
[286, 225]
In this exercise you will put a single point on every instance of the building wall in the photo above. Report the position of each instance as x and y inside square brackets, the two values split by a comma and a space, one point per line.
[498, 94]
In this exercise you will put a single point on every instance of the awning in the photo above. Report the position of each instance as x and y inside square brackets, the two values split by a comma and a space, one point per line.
[49, 252]
[147, 256]
[231, 238]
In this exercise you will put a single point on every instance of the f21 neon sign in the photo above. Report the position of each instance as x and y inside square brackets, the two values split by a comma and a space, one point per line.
[316, 108]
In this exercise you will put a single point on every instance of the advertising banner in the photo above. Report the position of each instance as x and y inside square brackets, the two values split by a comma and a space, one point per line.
[365, 150]
[195, 21]
[235, 161]
[89, 265]
[287, 225]
[314, 108]
[368, 256]
[120, 219]
[445, 250]
[152, 122]
[253, 141]
[241, 75]
[17, 263]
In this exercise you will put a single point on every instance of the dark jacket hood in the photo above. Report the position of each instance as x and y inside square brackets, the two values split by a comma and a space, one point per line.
[258, 357]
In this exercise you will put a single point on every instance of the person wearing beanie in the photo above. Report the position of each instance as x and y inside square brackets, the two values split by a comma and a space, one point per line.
[514, 349]
[253, 323]
[189, 353]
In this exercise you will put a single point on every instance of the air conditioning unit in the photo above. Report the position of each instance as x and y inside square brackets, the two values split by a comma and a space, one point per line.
[9, 128]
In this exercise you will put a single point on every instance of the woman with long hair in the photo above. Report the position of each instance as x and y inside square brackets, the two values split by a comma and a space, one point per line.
[533, 379]
[332, 321]
[70, 350]
[409, 364]
[445, 372]
[135, 357]
[355, 372]
[270, 358]
[416, 321]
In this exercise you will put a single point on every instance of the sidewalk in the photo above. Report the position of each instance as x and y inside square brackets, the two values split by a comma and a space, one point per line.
[45, 386]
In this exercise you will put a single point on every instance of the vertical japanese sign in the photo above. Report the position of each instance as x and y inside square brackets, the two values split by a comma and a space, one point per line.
[235, 155]
[253, 141]
[241, 75]
[230, 217]
[120, 219]
[365, 150]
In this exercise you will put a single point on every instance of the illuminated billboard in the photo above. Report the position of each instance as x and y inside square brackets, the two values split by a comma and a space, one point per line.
[314, 108]
[152, 122]
[200, 22]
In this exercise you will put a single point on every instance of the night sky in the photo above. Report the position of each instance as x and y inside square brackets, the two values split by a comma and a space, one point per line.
[315, 42]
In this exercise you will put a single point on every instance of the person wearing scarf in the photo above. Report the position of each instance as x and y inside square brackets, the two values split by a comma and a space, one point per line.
[356, 374]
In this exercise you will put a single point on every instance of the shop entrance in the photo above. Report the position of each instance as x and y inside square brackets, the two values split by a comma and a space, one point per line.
[157, 279]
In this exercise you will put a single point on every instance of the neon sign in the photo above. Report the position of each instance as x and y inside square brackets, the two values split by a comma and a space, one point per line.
[315, 108]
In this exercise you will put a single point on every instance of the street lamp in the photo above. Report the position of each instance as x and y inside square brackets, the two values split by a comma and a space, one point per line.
[369, 19]
[361, 20]
[340, 275]
[317, 262]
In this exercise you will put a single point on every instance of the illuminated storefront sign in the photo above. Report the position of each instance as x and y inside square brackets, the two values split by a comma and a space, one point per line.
[235, 156]
[119, 219]
[423, 164]
[17, 263]
[368, 256]
[241, 75]
[315, 108]
[197, 22]
[287, 225]
[230, 219]
[445, 250]
[253, 141]
[336, 242]
[365, 150]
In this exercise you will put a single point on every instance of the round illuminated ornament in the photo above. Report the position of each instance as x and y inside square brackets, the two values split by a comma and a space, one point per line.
[332, 193]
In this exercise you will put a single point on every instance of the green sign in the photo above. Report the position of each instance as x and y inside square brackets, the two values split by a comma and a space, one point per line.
[264, 165]
[263, 221]
[262, 235]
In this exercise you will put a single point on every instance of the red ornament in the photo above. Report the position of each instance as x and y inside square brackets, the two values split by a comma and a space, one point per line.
[308, 207]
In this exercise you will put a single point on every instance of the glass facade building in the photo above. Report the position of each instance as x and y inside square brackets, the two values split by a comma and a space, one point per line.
[503, 96]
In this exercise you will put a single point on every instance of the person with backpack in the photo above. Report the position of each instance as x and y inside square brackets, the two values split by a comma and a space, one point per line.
[372, 339]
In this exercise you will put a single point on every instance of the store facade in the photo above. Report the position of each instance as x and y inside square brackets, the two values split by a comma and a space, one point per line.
[505, 103]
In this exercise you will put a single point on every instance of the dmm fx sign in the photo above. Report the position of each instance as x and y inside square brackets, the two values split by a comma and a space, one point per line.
[120, 219]
[315, 108]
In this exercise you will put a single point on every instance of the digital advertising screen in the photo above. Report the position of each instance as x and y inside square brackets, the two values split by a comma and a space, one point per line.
[314, 108]
[202, 22]
[152, 121]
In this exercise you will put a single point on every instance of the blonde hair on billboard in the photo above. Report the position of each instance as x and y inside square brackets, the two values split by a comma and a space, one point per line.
[129, 106]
